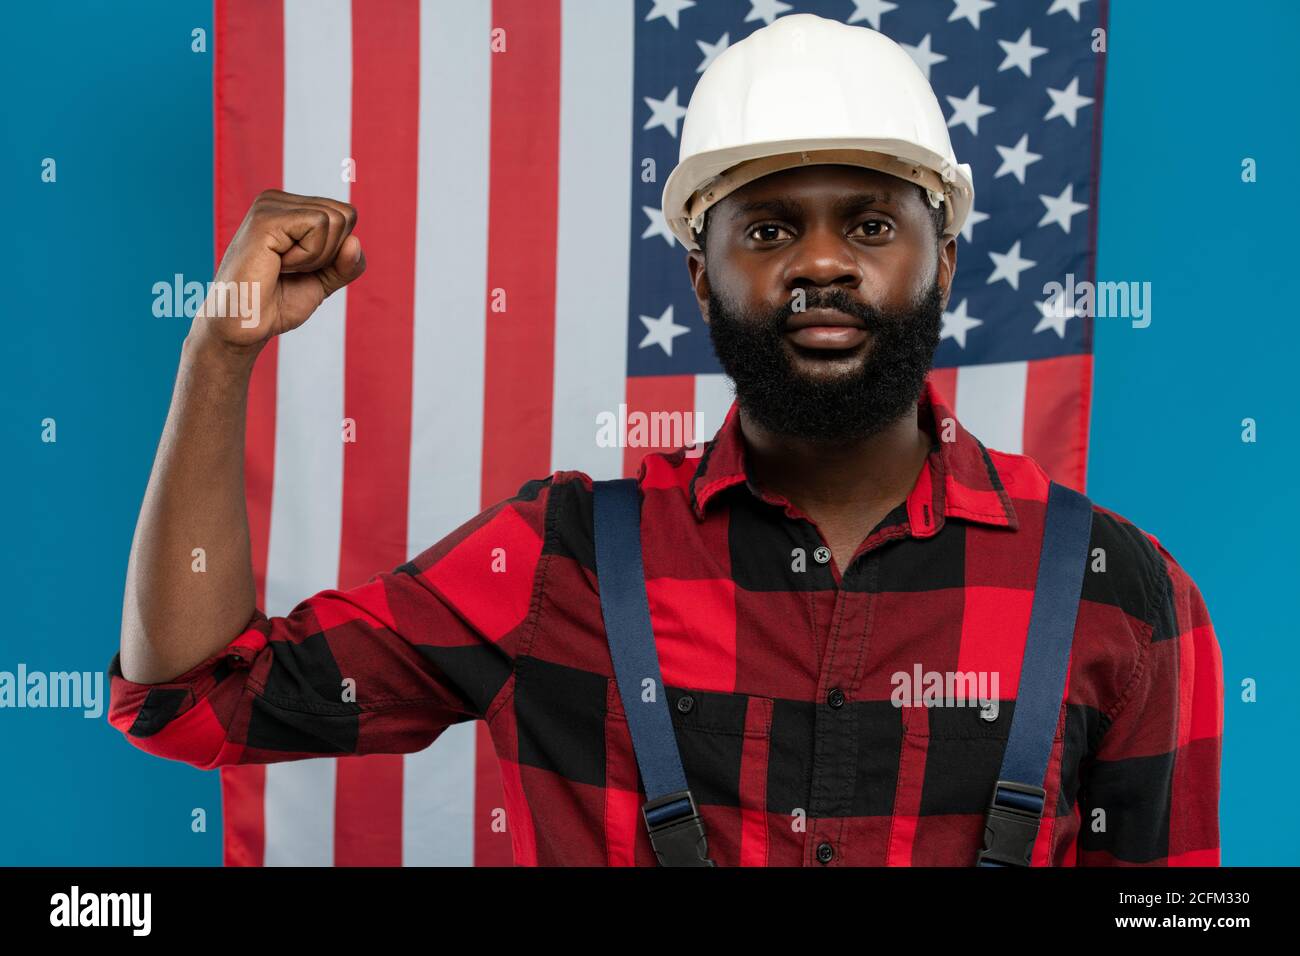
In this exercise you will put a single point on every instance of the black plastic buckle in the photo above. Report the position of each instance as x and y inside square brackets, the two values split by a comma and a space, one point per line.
[1010, 828]
[676, 830]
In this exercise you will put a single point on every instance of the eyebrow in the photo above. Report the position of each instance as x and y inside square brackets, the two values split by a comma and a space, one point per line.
[783, 208]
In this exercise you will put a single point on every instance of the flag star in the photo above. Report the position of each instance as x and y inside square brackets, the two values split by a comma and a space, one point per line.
[957, 324]
[973, 219]
[1070, 6]
[922, 55]
[1067, 102]
[711, 50]
[1021, 53]
[766, 10]
[970, 9]
[969, 110]
[871, 11]
[658, 225]
[1062, 208]
[1008, 265]
[669, 9]
[664, 112]
[1056, 312]
[1015, 159]
[661, 331]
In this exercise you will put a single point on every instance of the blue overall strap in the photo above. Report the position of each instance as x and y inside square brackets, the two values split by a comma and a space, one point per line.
[1016, 807]
[670, 814]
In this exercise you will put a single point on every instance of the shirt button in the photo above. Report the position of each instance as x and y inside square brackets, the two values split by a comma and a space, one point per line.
[822, 555]
[825, 852]
[835, 698]
[685, 703]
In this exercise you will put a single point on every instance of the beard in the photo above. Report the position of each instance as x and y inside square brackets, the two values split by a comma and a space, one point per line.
[755, 354]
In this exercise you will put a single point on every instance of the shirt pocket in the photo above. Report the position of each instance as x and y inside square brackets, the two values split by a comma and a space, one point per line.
[947, 766]
[725, 745]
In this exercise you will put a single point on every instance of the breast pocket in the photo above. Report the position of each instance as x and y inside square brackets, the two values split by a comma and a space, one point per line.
[947, 766]
[725, 745]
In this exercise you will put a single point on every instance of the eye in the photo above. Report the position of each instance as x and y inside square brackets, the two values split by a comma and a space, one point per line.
[876, 222]
[765, 228]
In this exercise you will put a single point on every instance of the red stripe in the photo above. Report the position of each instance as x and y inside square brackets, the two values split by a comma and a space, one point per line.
[1058, 394]
[377, 376]
[519, 372]
[522, 214]
[248, 107]
[656, 393]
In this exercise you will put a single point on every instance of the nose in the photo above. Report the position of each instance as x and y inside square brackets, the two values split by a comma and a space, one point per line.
[822, 257]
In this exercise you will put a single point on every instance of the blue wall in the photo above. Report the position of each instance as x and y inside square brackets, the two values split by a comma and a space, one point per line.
[124, 106]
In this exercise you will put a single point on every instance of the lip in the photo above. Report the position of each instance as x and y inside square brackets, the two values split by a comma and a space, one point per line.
[825, 329]
[822, 318]
[839, 337]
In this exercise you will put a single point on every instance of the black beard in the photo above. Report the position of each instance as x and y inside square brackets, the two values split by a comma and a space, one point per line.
[752, 351]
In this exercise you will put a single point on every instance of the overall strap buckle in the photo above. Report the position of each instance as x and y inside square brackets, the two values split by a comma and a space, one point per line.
[676, 830]
[1011, 825]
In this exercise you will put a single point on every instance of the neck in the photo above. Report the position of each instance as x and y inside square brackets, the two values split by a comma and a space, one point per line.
[826, 476]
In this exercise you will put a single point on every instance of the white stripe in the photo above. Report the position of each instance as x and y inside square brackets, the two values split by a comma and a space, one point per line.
[447, 366]
[300, 812]
[592, 255]
[990, 403]
[448, 373]
[306, 501]
[713, 397]
[438, 800]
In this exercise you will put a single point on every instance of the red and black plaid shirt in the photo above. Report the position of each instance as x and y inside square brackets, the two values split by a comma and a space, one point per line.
[780, 671]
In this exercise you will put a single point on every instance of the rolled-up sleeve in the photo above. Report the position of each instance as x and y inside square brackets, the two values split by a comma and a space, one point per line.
[384, 667]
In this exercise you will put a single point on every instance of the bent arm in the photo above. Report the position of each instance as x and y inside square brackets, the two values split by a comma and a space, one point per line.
[174, 616]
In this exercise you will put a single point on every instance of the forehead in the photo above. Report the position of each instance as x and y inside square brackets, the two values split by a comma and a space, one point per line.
[823, 184]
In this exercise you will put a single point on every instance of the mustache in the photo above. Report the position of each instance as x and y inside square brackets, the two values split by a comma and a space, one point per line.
[871, 318]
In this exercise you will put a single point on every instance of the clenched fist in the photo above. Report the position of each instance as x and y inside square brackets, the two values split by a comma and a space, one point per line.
[290, 253]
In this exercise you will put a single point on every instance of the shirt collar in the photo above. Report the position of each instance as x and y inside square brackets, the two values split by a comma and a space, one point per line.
[959, 478]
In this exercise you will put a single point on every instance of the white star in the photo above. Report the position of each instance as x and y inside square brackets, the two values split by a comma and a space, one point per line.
[661, 331]
[1062, 208]
[1056, 312]
[658, 225]
[1070, 6]
[871, 11]
[970, 9]
[711, 51]
[664, 112]
[922, 56]
[1067, 102]
[1021, 53]
[969, 110]
[766, 10]
[957, 324]
[1008, 265]
[1016, 158]
[669, 9]
[973, 219]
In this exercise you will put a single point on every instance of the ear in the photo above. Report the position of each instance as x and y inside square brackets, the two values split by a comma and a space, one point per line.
[695, 265]
[947, 267]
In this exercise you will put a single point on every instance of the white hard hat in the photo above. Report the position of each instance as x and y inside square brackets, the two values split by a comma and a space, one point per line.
[806, 90]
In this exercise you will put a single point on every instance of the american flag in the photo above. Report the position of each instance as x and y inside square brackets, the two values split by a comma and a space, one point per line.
[507, 158]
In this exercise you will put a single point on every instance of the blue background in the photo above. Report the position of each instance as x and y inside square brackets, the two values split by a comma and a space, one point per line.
[124, 106]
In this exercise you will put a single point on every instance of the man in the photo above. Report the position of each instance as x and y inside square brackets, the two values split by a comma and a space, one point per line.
[839, 585]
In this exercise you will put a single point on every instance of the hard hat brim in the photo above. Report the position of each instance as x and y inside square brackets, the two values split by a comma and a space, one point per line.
[703, 180]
